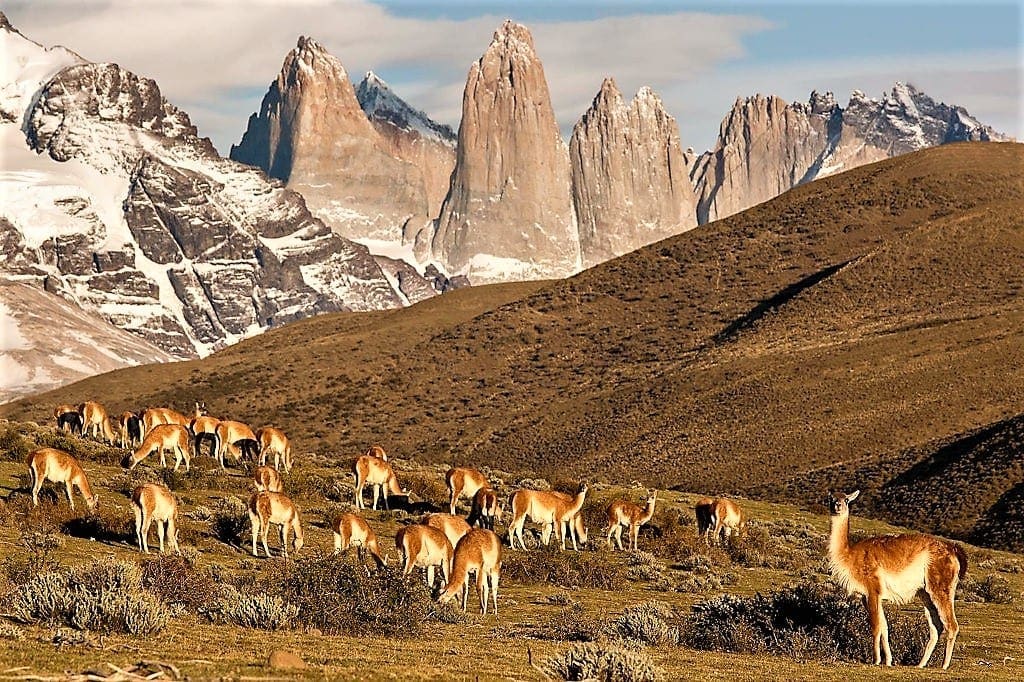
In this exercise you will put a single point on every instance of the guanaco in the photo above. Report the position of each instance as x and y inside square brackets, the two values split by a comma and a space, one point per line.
[728, 519]
[274, 441]
[129, 429]
[553, 510]
[425, 547]
[376, 451]
[486, 509]
[68, 418]
[624, 514]
[155, 416]
[463, 481]
[204, 428]
[478, 551]
[154, 502]
[228, 433]
[575, 525]
[161, 438]
[96, 422]
[50, 464]
[267, 478]
[379, 475]
[266, 508]
[352, 530]
[897, 568]
[705, 512]
[453, 527]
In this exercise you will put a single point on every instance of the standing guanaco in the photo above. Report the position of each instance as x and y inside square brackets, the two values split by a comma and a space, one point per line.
[130, 429]
[486, 509]
[705, 512]
[463, 481]
[228, 433]
[352, 530]
[897, 568]
[728, 519]
[266, 508]
[376, 451]
[174, 437]
[50, 464]
[575, 525]
[204, 428]
[624, 514]
[154, 502]
[425, 547]
[155, 416]
[274, 441]
[545, 507]
[379, 475]
[478, 551]
[68, 418]
[267, 478]
[453, 527]
[96, 422]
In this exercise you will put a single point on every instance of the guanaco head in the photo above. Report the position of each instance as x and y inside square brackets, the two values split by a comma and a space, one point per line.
[200, 410]
[93, 502]
[839, 504]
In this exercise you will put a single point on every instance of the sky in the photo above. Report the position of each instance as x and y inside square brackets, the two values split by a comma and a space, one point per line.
[216, 58]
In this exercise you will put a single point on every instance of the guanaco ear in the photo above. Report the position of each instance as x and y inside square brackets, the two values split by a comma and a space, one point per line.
[852, 496]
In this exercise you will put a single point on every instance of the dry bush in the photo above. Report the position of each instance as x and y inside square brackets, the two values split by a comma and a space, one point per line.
[10, 632]
[672, 535]
[550, 565]
[49, 516]
[37, 558]
[309, 485]
[106, 595]
[104, 523]
[602, 661]
[991, 589]
[177, 580]
[803, 622]
[428, 487]
[230, 520]
[14, 447]
[256, 611]
[568, 624]
[652, 622]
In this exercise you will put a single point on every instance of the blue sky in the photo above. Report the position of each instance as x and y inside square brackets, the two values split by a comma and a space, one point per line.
[216, 58]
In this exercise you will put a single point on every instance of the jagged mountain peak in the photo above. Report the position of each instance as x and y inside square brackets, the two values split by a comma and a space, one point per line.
[381, 104]
[513, 35]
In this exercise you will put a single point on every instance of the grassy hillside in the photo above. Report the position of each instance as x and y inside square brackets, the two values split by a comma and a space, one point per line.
[866, 318]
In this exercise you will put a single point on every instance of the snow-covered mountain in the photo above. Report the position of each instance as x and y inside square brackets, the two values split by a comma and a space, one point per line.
[380, 103]
[112, 201]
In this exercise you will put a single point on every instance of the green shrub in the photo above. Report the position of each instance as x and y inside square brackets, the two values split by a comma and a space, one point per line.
[803, 621]
[550, 565]
[606, 662]
[106, 595]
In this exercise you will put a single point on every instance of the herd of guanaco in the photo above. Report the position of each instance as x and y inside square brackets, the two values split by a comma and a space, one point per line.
[894, 568]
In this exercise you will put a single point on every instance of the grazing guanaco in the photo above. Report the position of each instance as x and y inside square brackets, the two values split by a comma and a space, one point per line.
[204, 428]
[376, 451]
[50, 464]
[704, 510]
[486, 509]
[624, 514]
[553, 510]
[266, 508]
[453, 527]
[129, 429]
[274, 441]
[155, 416]
[478, 551]
[96, 422]
[425, 547]
[379, 475]
[897, 568]
[728, 519]
[352, 530]
[267, 478]
[68, 418]
[161, 438]
[154, 502]
[228, 433]
[463, 481]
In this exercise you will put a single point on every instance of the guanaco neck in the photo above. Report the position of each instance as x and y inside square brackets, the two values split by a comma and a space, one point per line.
[839, 538]
[393, 487]
[649, 512]
[577, 504]
[78, 478]
[460, 573]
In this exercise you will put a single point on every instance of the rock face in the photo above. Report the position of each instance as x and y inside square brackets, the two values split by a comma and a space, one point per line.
[312, 133]
[508, 213]
[766, 146]
[630, 181]
[410, 135]
[120, 208]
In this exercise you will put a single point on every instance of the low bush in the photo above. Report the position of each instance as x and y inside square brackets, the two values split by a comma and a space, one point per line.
[230, 520]
[569, 624]
[991, 589]
[804, 622]
[550, 565]
[104, 523]
[178, 581]
[38, 557]
[601, 661]
[651, 622]
[256, 611]
[14, 447]
[106, 595]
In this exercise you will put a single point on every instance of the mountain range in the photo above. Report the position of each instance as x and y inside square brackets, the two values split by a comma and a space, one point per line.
[116, 206]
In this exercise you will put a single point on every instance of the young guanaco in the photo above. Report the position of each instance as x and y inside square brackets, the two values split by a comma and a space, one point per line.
[625, 514]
